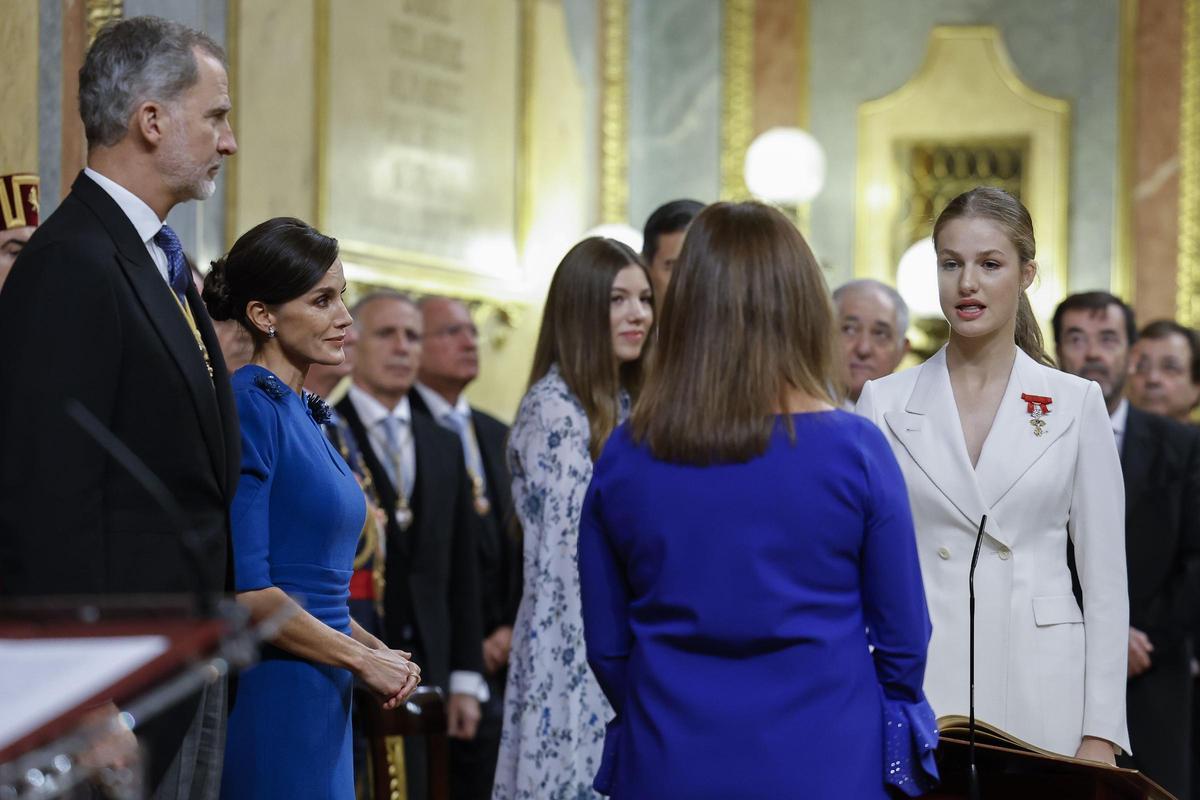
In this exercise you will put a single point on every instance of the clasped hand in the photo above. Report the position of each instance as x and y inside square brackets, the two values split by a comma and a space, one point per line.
[391, 675]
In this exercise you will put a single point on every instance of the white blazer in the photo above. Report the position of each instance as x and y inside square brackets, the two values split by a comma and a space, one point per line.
[1044, 671]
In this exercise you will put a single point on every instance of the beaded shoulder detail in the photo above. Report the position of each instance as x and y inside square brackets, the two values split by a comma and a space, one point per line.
[271, 385]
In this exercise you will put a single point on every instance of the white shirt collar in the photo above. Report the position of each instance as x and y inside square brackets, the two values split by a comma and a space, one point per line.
[144, 220]
[371, 411]
[438, 406]
[1120, 417]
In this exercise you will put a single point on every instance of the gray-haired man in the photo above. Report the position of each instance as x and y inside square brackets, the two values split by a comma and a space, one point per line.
[120, 328]
[872, 318]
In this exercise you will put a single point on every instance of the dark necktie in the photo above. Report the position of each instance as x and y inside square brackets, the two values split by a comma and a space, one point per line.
[177, 269]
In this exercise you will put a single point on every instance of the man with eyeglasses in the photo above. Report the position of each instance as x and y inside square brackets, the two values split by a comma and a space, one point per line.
[449, 363]
[1166, 370]
[1161, 462]
[872, 319]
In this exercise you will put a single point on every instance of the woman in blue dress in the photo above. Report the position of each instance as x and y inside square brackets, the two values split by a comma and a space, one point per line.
[588, 360]
[742, 545]
[296, 518]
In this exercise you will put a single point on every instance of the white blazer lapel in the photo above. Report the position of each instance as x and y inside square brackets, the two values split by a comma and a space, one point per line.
[930, 431]
[1012, 446]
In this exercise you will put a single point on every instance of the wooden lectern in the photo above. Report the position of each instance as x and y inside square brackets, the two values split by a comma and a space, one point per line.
[41, 753]
[1009, 768]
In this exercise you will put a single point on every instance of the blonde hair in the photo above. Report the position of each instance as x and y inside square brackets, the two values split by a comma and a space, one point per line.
[997, 205]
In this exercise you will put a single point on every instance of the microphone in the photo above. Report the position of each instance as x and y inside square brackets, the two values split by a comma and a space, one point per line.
[972, 771]
[141, 474]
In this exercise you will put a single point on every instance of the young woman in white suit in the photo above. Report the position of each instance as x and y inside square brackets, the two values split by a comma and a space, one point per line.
[988, 426]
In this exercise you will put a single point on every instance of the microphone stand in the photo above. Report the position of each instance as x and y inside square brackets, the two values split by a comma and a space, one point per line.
[973, 772]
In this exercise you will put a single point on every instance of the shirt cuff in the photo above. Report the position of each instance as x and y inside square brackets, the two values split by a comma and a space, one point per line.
[471, 683]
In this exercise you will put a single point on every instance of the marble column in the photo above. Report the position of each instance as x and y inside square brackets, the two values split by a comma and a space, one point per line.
[1155, 201]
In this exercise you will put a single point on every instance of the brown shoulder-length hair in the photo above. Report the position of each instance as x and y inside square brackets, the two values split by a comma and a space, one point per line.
[576, 333]
[747, 319]
[989, 202]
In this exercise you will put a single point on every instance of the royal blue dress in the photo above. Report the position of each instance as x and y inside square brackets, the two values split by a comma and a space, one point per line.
[728, 611]
[296, 518]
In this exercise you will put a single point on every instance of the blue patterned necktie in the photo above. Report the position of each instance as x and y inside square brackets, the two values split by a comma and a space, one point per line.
[460, 423]
[177, 270]
[394, 465]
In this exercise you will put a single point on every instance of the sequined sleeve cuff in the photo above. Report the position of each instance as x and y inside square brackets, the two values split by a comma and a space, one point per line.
[910, 739]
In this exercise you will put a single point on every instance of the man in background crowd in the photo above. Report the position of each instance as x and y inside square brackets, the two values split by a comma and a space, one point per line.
[872, 319]
[449, 363]
[1161, 463]
[431, 596]
[1166, 370]
[662, 240]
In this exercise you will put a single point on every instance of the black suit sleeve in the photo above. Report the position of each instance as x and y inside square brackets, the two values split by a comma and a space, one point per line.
[1183, 593]
[466, 623]
[60, 322]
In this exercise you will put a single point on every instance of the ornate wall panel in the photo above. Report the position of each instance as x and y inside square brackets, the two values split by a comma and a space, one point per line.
[965, 118]
[422, 142]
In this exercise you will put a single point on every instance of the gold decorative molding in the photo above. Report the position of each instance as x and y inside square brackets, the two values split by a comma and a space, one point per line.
[233, 24]
[321, 21]
[1187, 302]
[737, 95]
[527, 71]
[397, 778]
[1123, 280]
[99, 13]
[614, 112]
[966, 68]
[803, 54]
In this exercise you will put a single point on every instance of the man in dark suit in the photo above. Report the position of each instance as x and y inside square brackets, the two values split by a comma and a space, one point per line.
[100, 309]
[449, 363]
[1161, 461]
[431, 595]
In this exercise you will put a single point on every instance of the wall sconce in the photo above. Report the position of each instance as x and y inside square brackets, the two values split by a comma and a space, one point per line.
[917, 282]
[785, 166]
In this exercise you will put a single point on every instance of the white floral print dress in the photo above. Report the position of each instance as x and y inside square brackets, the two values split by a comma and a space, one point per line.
[554, 711]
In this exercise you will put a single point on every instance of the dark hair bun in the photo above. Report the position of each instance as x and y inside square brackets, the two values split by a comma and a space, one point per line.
[216, 292]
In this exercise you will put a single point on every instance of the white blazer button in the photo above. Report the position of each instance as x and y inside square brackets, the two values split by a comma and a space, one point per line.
[1004, 553]
[943, 552]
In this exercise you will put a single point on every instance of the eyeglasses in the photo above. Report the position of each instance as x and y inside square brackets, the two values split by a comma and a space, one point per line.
[453, 331]
[1167, 366]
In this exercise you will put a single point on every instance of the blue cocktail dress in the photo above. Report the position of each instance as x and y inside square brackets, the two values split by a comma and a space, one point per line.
[296, 519]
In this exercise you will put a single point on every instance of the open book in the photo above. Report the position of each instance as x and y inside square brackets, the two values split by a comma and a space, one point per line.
[1122, 783]
[957, 727]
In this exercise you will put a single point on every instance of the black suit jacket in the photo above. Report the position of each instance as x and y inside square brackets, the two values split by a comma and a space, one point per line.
[86, 315]
[500, 567]
[1161, 462]
[431, 572]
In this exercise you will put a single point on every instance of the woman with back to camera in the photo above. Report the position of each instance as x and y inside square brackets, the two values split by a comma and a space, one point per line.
[988, 427]
[296, 519]
[743, 543]
[588, 364]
